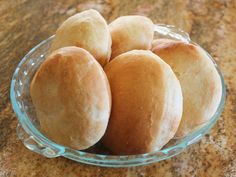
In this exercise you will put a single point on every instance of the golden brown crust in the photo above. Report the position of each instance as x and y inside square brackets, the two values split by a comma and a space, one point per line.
[87, 30]
[72, 98]
[129, 33]
[146, 103]
[163, 43]
[199, 80]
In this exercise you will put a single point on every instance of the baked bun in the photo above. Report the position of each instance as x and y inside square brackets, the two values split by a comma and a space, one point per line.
[200, 82]
[87, 30]
[71, 95]
[131, 32]
[146, 103]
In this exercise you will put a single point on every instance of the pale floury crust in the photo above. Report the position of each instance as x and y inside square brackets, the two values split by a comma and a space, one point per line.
[146, 103]
[131, 32]
[199, 79]
[87, 30]
[72, 99]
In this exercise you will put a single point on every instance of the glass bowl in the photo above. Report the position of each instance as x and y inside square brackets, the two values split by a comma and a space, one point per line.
[28, 129]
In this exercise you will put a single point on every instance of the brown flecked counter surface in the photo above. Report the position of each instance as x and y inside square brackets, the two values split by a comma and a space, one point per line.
[211, 23]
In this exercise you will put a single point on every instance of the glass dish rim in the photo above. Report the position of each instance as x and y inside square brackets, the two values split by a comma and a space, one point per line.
[104, 160]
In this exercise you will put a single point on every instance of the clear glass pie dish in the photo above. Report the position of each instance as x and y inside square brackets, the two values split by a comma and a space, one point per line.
[28, 129]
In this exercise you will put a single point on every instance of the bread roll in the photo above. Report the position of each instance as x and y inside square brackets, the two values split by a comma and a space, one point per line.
[131, 32]
[199, 80]
[87, 30]
[146, 103]
[72, 99]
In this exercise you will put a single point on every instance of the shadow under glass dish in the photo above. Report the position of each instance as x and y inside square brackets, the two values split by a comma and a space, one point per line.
[28, 129]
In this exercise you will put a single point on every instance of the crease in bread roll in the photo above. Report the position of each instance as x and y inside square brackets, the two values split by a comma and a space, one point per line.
[199, 79]
[72, 99]
[88, 30]
[146, 103]
[131, 32]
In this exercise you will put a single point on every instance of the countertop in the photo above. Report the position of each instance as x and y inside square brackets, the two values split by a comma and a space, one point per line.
[211, 23]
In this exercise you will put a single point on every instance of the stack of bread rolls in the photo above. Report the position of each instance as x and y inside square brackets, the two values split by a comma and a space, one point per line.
[116, 84]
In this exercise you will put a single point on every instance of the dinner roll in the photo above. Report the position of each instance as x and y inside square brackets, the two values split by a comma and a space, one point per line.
[87, 30]
[146, 103]
[71, 95]
[200, 82]
[131, 32]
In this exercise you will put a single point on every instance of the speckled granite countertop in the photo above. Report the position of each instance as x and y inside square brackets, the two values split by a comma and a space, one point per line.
[211, 23]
